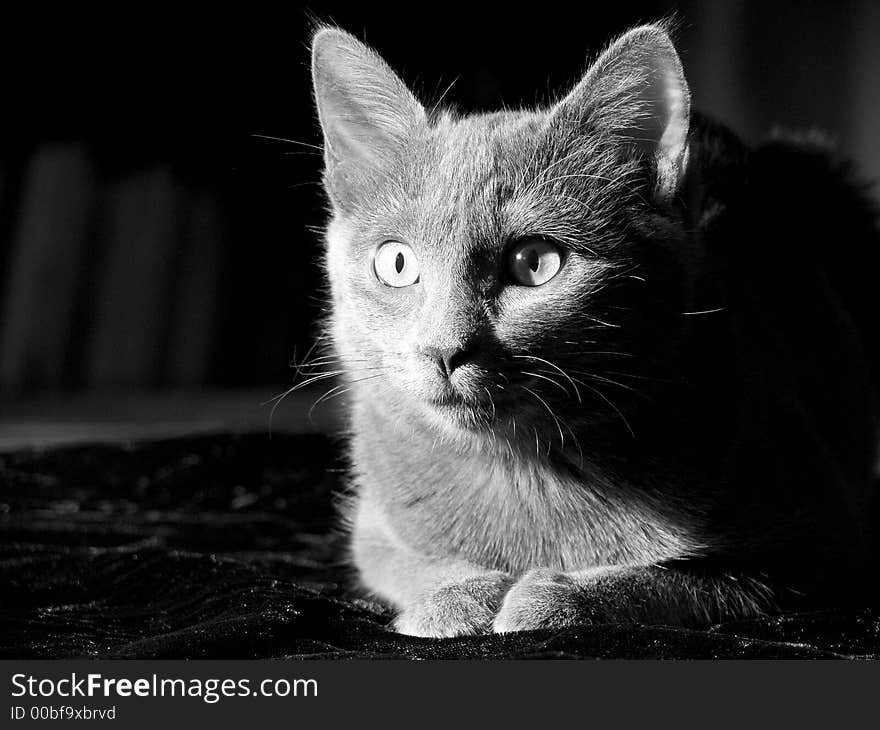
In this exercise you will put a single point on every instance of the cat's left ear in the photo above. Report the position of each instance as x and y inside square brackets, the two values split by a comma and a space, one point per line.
[367, 113]
[636, 90]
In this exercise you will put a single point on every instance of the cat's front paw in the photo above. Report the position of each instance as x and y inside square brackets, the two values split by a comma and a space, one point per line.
[456, 609]
[542, 599]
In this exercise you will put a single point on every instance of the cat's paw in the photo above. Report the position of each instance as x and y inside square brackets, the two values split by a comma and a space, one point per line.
[542, 599]
[456, 609]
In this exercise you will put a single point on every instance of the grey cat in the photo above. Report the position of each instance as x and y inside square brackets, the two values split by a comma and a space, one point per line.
[602, 364]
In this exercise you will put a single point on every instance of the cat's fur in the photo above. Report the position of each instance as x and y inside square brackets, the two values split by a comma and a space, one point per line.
[680, 427]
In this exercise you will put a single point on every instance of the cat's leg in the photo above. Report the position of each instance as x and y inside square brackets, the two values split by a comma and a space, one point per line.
[655, 594]
[434, 597]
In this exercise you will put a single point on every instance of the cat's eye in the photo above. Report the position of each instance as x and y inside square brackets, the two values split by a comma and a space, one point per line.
[534, 261]
[395, 264]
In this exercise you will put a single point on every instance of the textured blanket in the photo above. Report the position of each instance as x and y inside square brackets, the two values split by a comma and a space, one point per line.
[227, 547]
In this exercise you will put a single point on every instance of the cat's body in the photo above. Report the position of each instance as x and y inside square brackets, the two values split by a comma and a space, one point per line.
[679, 425]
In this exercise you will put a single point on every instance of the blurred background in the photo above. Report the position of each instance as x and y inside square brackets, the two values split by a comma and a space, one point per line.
[159, 262]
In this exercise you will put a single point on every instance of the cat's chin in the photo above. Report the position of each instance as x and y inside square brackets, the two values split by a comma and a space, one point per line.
[456, 416]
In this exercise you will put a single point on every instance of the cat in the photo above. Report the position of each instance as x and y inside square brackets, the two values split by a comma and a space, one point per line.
[606, 362]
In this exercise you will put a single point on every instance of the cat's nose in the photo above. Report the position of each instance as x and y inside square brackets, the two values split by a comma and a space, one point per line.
[447, 359]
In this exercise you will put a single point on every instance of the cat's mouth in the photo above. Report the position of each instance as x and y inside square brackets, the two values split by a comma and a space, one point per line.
[449, 398]
[462, 400]
[460, 413]
[481, 404]
[459, 408]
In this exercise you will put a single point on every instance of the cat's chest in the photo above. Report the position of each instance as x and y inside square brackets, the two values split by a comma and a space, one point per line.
[502, 512]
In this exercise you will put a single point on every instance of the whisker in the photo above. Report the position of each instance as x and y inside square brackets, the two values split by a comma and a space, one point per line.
[310, 379]
[491, 402]
[334, 391]
[555, 367]
[317, 377]
[576, 443]
[599, 321]
[288, 141]
[436, 105]
[616, 409]
[339, 390]
[603, 379]
[642, 377]
[309, 352]
[600, 352]
[277, 399]
[552, 414]
[549, 380]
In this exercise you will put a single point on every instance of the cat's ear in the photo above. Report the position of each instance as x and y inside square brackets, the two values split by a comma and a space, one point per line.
[366, 112]
[637, 91]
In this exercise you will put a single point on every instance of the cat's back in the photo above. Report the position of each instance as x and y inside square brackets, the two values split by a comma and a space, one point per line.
[791, 236]
[822, 214]
[799, 233]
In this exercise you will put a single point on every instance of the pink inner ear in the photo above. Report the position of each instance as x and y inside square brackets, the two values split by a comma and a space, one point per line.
[677, 111]
[671, 148]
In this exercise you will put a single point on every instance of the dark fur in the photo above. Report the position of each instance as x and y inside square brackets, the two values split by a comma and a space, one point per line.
[789, 249]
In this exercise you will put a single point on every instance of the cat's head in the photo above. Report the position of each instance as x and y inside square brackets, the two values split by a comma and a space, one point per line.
[520, 266]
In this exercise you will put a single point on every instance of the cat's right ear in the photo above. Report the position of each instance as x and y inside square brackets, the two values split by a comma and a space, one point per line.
[636, 91]
[367, 113]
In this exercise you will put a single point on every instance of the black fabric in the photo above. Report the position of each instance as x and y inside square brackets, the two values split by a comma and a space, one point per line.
[228, 547]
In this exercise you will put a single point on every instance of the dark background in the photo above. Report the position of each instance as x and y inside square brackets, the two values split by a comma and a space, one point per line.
[149, 239]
